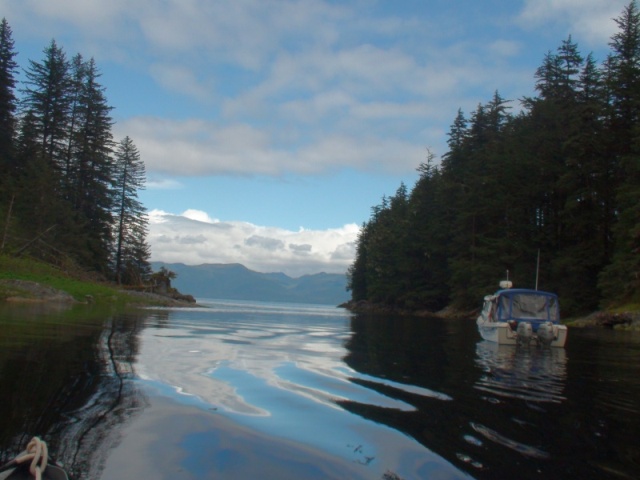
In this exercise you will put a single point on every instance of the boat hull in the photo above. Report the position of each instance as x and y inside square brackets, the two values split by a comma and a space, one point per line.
[502, 334]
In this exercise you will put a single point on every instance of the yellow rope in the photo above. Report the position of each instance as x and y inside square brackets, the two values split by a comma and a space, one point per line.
[38, 454]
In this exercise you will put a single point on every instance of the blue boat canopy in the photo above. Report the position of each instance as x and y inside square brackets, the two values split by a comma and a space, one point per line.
[524, 304]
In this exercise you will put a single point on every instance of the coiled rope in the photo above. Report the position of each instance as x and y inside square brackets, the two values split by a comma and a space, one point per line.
[38, 454]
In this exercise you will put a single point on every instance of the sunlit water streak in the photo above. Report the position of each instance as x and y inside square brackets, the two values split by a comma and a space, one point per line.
[280, 369]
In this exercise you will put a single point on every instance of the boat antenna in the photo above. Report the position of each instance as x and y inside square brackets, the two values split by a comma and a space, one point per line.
[537, 269]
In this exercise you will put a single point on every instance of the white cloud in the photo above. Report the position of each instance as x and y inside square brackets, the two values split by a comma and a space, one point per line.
[97, 28]
[340, 68]
[197, 147]
[199, 216]
[163, 184]
[80, 13]
[243, 32]
[591, 20]
[181, 79]
[264, 249]
[505, 49]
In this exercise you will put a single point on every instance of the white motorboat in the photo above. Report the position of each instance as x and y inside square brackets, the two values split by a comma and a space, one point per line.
[520, 316]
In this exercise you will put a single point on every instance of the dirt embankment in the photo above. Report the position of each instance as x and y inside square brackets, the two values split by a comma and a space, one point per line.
[26, 291]
[175, 299]
[619, 321]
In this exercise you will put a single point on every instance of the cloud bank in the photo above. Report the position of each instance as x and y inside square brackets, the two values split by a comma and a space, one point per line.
[284, 86]
[193, 238]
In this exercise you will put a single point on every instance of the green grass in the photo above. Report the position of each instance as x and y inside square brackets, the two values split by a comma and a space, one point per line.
[633, 306]
[12, 268]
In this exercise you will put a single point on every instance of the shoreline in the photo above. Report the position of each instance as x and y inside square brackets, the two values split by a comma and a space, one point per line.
[28, 291]
[617, 320]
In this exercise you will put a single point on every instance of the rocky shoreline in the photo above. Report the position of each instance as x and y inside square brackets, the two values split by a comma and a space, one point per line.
[601, 319]
[25, 291]
[617, 320]
[175, 299]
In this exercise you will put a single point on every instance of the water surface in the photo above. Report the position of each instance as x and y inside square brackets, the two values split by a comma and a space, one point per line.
[257, 390]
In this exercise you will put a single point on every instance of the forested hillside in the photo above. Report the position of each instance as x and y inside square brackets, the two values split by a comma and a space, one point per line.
[68, 190]
[561, 177]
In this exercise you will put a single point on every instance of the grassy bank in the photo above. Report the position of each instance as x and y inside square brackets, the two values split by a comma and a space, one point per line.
[77, 284]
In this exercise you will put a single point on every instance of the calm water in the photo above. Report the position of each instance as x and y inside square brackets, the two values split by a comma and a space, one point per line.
[276, 391]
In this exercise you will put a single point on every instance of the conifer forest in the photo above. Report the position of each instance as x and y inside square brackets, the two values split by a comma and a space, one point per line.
[68, 189]
[557, 183]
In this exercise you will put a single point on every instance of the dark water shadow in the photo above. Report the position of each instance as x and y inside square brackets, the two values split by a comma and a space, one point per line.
[501, 413]
[67, 376]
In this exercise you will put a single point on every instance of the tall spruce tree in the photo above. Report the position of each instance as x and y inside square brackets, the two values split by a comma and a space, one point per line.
[90, 176]
[8, 173]
[41, 156]
[479, 228]
[357, 271]
[585, 245]
[131, 255]
[77, 74]
[47, 95]
[8, 68]
[429, 237]
[622, 277]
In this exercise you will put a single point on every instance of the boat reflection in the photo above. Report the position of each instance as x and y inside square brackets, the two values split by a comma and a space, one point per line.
[504, 401]
[531, 374]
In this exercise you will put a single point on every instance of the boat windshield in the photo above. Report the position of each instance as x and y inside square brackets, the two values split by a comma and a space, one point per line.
[529, 305]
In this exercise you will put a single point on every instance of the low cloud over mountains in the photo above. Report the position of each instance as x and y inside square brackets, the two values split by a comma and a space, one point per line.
[194, 238]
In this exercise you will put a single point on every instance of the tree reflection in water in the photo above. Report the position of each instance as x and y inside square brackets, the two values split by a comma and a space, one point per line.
[67, 378]
[426, 353]
[502, 412]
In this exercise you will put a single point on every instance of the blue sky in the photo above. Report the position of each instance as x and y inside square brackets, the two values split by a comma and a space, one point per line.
[269, 128]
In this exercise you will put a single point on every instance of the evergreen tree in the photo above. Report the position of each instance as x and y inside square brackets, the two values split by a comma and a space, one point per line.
[76, 82]
[585, 245]
[8, 101]
[357, 273]
[38, 205]
[622, 277]
[427, 245]
[624, 78]
[479, 228]
[561, 178]
[90, 176]
[62, 167]
[8, 68]
[570, 64]
[69, 131]
[47, 97]
[131, 254]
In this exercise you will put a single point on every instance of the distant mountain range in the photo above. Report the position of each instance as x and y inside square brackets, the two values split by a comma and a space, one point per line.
[237, 282]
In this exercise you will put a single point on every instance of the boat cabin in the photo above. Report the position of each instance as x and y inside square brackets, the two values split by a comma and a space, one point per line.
[520, 304]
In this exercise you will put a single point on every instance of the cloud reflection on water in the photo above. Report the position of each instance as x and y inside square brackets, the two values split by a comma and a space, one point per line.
[217, 360]
[281, 371]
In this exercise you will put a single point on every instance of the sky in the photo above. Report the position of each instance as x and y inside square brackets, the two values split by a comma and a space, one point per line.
[270, 128]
